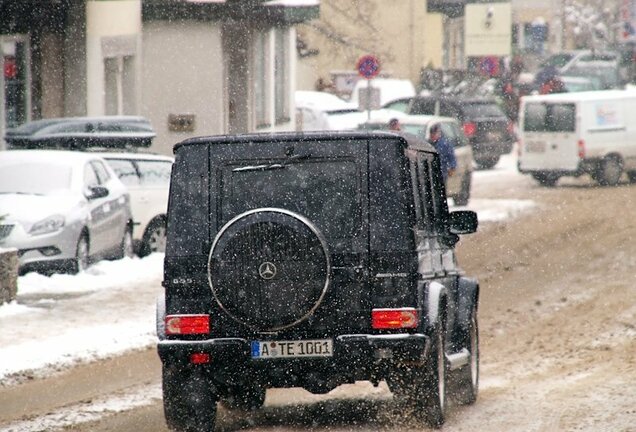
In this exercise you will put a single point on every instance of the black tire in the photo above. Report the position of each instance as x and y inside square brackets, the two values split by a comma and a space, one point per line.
[422, 389]
[468, 376]
[81, 260]
[154, 239]
[189, 403]
[546, 179]
[631, 175]
[245, 399]
[435, 394]
[486, 163]
[609, 171]
[462, 198]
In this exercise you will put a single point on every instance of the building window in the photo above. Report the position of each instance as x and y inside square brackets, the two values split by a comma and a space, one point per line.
[260, 79]
[119, 84]
[281, 73]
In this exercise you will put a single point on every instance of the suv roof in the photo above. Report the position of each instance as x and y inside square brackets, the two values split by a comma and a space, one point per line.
[305, 137]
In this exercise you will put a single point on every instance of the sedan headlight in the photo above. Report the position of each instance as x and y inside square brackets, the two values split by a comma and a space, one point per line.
[48, 225]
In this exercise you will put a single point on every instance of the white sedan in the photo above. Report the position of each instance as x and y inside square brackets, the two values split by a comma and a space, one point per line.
[62, 210]
[147, 177]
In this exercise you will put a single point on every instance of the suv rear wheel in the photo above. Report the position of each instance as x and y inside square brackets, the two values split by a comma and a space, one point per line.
[423, 388]
[435, 373]
[189, 402]
[468, 376]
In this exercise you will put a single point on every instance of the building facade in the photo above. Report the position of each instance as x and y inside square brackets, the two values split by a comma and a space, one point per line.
[400, 33]
[193, 68]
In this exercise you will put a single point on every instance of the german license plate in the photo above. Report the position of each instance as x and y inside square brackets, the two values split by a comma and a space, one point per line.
[535, 146]
[292, 349]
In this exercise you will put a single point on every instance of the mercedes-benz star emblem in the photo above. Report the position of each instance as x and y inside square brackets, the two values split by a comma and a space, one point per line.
[267, 270]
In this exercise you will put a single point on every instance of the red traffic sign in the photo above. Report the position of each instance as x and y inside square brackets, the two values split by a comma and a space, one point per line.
[368, 66]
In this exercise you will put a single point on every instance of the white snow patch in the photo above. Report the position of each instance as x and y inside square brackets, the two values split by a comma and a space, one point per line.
[84, 413]
[64, 320]
[13, 309]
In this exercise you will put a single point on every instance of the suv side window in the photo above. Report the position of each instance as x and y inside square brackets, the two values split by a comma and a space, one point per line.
[422, 106]
[435, 205]
[450, 133]
[448, 109]
[398, 105]
[420, 179]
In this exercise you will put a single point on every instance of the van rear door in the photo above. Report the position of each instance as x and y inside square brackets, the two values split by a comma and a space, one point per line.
[549, 136]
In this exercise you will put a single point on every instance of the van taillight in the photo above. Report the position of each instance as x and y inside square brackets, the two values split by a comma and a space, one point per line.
[581, 147]
[394, 318]
[187, 324]
[510, 127]
[470, 129]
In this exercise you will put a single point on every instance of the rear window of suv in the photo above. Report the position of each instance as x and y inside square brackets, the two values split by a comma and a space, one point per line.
[326, 192]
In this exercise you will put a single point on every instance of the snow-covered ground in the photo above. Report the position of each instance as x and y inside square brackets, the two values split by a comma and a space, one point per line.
[62, 320]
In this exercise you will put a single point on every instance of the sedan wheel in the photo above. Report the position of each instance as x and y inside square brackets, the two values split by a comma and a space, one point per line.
[81, 255]
[154, 238]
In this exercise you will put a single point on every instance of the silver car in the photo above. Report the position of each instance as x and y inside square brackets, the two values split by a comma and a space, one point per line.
[62, 210]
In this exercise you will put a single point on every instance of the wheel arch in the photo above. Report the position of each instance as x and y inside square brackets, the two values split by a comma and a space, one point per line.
[436, 302]
[468, 300]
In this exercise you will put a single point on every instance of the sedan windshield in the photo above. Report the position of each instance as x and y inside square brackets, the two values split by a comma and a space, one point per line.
[33, 178]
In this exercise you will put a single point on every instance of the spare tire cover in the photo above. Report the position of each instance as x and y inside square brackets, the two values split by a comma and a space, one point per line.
[269, 268]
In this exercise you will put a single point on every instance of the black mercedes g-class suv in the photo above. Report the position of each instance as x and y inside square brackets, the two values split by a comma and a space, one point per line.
[313, 260]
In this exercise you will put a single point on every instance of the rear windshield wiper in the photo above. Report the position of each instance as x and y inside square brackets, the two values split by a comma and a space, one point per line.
[275, 166]
[269, 167]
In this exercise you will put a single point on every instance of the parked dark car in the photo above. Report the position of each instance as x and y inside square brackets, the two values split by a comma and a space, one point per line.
[76, 133]
[488, 129]
[313, 260]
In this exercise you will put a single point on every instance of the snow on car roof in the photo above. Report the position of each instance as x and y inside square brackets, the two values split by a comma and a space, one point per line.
[63, 157]
[135, 156]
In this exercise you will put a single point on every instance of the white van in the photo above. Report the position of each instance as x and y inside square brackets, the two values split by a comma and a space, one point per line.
[570, 134]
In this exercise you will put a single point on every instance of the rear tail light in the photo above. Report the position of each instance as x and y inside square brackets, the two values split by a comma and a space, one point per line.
[394, 318]
[581, 148]
[470, 129]
[199, 358]
[510, 127]
[187, 324]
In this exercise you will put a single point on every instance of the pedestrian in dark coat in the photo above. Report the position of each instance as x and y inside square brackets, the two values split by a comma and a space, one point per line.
[445, 150]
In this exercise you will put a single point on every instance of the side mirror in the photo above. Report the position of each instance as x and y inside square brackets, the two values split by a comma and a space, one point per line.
[95, 192]
[463, 222]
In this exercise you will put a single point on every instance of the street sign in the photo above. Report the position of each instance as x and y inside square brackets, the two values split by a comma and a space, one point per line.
[368, 66]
